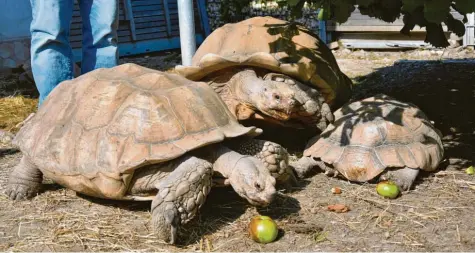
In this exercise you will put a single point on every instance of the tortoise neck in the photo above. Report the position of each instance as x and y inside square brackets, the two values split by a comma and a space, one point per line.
[222, 158]
[237, 88]
[244, 85]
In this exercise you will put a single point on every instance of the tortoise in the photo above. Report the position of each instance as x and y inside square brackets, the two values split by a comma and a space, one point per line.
[132, 133]
[377, 137]
[273, 70]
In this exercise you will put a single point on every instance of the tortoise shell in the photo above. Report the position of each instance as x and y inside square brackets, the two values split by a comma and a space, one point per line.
[276, 45]
[107, 123]
[376, 133]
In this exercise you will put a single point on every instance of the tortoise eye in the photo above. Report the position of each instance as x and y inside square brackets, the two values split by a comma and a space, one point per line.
[258, 186]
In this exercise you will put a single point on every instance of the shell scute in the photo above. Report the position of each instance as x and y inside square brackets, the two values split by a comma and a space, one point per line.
[109, 149]
[359, 163]
[147, 118]
[100, 102]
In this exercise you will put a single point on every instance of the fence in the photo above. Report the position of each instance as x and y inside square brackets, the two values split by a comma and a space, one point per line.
[469, 38]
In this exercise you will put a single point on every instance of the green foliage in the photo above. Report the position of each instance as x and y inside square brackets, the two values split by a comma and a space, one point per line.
[455, 25]
[430, 14]
[325, 12]
[293, 3]
[435, 11]
[342, 10]
[411, 5]
[231, 9]
[386, 10]
[364, 2]
[465, 6]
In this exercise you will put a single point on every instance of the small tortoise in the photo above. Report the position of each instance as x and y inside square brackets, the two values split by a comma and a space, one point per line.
[375, 135]
[129, 132]
[273, 70]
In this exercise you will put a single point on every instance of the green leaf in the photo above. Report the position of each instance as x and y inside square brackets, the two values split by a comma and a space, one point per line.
[411, 5]
[282, 3]
[342, 10]
[409, 24]
[320, 236]
[470, 170]
[465, 6]
[435, 35]
[325, 11]
[435, 11]
[455, 25]
[323, 14]
[386, 10]
[296, 11]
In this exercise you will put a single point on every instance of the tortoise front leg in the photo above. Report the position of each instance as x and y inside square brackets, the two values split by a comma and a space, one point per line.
[305, 164]
[403, 177]
[25, 180]
[274, 156]
[314, 111]
[180, 195]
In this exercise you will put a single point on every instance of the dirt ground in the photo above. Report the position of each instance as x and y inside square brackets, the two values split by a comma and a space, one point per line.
[435, 216]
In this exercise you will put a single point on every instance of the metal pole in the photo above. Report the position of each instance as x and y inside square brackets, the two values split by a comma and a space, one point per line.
[187, 31]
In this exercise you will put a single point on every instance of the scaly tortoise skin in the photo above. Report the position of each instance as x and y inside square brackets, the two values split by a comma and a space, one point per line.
[130, 132]
[274, 70]
[376, 136]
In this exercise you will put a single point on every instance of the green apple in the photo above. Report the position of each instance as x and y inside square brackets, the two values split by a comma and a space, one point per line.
[263, 229]
[470, 170]
[387, 189]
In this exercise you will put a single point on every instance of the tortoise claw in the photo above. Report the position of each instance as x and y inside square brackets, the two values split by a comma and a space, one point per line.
[20, 191]
[331, 172]
[173, 233]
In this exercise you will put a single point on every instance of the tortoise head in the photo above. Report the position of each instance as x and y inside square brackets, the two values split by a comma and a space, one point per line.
[253, 181]
[273, 98]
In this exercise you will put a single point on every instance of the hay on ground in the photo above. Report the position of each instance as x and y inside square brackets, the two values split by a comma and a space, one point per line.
[14, 110]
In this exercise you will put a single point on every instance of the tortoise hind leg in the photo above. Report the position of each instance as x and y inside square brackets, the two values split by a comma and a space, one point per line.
[24, 181]
[274, 156]
[403, 177]
[180, 195]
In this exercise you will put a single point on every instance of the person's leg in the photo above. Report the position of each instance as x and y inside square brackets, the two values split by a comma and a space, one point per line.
[51, 54]
[100, 20]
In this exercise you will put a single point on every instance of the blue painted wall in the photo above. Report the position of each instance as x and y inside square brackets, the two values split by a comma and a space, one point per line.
[15, 18]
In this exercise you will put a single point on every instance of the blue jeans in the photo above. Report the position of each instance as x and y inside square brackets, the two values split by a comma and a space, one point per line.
[51, 53]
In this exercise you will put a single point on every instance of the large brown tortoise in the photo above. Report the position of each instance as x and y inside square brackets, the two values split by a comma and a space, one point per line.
[129, 132]
[273, 70]
[375, 137]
